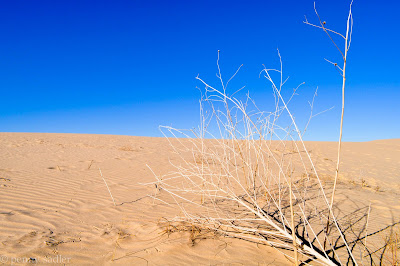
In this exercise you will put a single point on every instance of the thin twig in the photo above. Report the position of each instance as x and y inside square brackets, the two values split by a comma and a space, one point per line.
[107, 187]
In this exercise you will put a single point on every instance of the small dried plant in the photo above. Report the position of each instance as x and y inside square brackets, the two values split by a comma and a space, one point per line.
[391, 250]
[244, 175]
[247, 173]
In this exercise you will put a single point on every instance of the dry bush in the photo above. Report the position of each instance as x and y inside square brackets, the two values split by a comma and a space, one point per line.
[247, 173]
[391, 252]
[244, 174]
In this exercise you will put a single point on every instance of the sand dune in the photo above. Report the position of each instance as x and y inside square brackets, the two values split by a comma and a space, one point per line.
[55, 207]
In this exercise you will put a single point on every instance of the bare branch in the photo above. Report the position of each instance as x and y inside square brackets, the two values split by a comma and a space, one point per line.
[313, 25]
[336, 67]
[327, 31]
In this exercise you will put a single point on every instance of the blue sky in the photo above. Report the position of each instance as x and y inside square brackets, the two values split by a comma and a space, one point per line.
[126, 67]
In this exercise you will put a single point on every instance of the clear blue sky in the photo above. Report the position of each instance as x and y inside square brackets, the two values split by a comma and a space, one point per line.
[125, 67]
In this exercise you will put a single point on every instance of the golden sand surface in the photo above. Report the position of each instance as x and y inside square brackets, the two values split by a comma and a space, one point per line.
[55, 207]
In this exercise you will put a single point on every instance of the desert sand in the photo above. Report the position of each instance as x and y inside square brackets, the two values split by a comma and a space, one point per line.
[55, 207]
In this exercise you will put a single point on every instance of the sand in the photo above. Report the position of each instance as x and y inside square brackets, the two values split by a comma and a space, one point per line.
[56, 209]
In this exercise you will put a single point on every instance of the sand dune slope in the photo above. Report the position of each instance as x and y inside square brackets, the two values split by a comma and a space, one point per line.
[55, 207]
